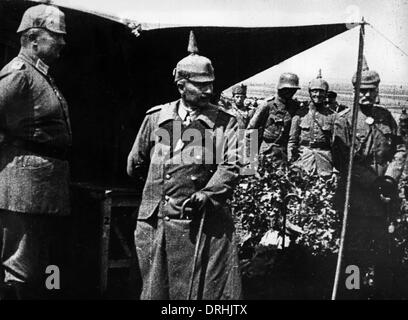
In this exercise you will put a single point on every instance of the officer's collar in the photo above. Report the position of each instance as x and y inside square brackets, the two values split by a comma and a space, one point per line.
[35, 62]
[183, 111]
[208, 115]
[170, 112]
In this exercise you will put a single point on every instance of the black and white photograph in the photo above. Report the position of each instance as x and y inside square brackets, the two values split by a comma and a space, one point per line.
[203, 150]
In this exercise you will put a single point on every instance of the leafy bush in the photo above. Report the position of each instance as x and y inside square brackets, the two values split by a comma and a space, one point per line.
[259, 204]
[313, 228]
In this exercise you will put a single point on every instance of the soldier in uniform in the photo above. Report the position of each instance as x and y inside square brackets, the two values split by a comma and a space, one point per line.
[199, 172]
[376, 170]
[313, 132]
[34, 173]
[273, 118]
[242, 111]
[332, 102]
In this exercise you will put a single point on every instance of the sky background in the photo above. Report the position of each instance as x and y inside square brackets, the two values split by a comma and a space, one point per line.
[337, 57]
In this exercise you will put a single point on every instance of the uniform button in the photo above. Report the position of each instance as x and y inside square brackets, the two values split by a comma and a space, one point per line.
[166, 218]
[167, 198]
[193, 178]
[168, 176]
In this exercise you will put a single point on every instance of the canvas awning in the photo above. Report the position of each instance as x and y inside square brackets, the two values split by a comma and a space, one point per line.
[110, 77]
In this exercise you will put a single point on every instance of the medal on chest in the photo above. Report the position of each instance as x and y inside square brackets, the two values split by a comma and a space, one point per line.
[369, 121]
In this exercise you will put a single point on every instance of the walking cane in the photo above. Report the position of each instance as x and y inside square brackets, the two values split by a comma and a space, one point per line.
[197, 245]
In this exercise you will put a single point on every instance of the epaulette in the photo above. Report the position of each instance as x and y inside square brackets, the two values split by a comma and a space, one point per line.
[154, 109]
[17, 65]
[222, 109]
[344, 113]
[380, 106]
[269, 98]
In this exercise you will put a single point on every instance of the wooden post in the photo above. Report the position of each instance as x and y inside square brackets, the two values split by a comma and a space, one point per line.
[351, 156]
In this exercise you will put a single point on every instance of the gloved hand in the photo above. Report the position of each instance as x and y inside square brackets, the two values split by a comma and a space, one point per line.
[386, 187]
[199, 200]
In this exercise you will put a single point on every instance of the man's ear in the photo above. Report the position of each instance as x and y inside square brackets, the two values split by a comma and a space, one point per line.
[33, 39]
[180, 87]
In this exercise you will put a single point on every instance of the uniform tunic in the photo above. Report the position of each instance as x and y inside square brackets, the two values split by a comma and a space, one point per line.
[182, 159]
[34, 182]
[311, 140]
[33, 117]
[273, 119]
[243, 116]
[367, 237]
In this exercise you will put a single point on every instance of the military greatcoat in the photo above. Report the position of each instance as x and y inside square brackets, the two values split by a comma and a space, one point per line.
[367, 238]
[312, 137]
[180, 160]
[34, 175]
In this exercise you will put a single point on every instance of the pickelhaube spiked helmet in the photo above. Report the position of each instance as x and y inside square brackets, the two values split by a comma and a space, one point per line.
[45, 17]
[319, 83]
[194, 67]
[369, 78]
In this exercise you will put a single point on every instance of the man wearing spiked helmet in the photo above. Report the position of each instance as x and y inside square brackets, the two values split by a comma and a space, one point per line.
[189, 149]
[273, 117]
[313, 132]
[376, 170]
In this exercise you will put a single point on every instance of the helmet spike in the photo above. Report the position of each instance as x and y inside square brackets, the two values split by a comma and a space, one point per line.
[365, 65]
[194, 67]
[319, 75]
[192, 44]
[369, 78]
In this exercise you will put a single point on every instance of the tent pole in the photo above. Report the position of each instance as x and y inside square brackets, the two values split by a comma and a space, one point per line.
[350, 164]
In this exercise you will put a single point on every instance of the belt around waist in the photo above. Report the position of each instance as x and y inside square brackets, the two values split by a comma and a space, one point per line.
[317, 145]
[41, 149]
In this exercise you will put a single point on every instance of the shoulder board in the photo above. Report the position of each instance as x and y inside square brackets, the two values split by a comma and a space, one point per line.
[224, 110]
[381, 107]
[154, 109]
[270, 98]
[345, 112]
[230, 113]
[17, 65]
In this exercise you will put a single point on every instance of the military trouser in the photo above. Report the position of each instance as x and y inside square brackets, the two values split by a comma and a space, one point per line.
[315, 160]
[367, 248]
[28, 244]
[165, 250]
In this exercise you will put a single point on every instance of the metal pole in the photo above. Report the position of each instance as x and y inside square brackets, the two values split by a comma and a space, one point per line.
[351, 156]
